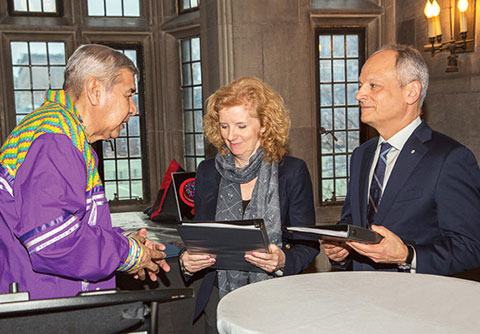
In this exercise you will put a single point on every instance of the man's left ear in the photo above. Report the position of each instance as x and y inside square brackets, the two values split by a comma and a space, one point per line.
[413, 90]
[94, 90]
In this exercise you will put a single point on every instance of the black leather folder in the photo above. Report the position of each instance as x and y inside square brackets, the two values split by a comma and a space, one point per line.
[227, 242]
[341, 232]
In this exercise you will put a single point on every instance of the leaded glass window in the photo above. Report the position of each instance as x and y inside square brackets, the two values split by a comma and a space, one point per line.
[114, 8]
[34, 6]
[192, 102]
[36, 66]
[122, 157]
[187, 5]
[339, 58]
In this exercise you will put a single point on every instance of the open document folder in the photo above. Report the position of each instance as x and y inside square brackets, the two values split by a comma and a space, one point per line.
[341, 232]
[227, 242]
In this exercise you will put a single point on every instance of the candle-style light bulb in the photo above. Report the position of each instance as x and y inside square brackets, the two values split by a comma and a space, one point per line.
[462, 6]
[436, 18]
[429, 15]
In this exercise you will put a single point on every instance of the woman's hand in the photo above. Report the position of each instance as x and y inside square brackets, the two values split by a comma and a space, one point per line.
[196, 262]
[335, 251]
[269, 262]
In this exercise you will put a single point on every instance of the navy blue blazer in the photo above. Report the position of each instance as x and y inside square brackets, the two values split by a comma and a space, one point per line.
[432, 198]
[296, 209]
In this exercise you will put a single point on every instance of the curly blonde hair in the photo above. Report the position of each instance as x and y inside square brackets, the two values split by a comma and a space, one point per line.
[268, 106]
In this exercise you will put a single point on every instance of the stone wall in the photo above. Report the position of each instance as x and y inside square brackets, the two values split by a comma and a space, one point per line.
[272, 40]
[453, 100]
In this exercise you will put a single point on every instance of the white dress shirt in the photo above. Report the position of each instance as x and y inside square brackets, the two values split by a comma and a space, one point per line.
[397, 142]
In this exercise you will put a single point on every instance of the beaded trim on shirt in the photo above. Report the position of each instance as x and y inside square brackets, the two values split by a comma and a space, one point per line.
[57, 115]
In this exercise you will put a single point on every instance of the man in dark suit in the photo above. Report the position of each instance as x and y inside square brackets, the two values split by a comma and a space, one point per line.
[416, 187]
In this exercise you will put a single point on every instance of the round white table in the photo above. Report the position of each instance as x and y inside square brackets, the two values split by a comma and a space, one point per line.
[353, 302]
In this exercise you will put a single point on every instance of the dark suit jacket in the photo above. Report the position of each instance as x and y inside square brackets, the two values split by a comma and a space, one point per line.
[296, 209]
[432, 198]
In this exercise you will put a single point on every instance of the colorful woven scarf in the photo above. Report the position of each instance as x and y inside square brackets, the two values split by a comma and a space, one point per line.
[56, 115]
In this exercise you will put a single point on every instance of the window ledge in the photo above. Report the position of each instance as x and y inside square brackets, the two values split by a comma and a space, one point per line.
[344, 5]
[34, 21]
[182, 22]
[127, 23]
[344, 8]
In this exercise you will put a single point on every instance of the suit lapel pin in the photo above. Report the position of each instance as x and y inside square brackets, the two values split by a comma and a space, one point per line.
[412, 151]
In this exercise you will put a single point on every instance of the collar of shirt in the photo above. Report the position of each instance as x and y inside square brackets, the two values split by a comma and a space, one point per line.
[397, 141]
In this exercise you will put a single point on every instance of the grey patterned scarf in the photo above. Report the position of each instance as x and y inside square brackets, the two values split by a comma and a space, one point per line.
[265, 203]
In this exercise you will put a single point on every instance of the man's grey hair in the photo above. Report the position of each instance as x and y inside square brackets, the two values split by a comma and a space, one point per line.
[410, 66]
[94, 60]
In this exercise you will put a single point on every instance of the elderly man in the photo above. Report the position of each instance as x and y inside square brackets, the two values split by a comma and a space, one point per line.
[56, 233]
[416, 187]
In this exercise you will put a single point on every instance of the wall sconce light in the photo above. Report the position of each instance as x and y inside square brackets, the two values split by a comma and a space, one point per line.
[462, 25]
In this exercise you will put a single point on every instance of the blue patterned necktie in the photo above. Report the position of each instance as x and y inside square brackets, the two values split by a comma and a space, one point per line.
[377, 182]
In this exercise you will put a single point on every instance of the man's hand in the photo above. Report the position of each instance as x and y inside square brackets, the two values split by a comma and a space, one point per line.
[390, 250]
[153, 258]
[269, 262]
[336, 251]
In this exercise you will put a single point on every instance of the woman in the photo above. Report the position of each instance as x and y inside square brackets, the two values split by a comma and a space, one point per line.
[251, 177]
